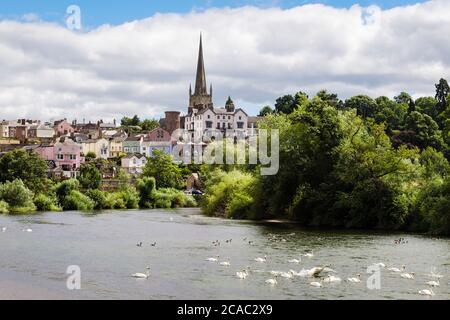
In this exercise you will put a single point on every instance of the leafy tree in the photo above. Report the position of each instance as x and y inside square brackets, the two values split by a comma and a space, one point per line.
[90, 156]
[391, 113]
[403, 98]
[28, 167]
[442, 92]
[90, 176]
[149, 124]
[164, 170]
[331, 98]
[265, 111]
[146, 188]
[18, 197]
[288, 103]
[426, 129]
[126, 122]
[364, 105]
[428, 106]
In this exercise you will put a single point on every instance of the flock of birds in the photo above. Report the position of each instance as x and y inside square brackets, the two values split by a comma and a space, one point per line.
[319, 275]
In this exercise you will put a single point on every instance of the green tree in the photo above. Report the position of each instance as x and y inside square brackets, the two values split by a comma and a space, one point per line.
[427, 105]
[265, 111]
[90, 176]
[28, 167]
[331, 98]
[17, 195]
[149, 124]
[403, 97]
[442, 92]
[365, 105]
[164, 170]
[426, 129]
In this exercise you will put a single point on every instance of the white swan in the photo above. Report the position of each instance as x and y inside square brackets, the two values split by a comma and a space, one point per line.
[276, 273]
[380, 264]
[225, 264]
[397, 269]
[287, 275]
[261, 260]
[331, 279]
[295, 273]
[409, 276]
[316, 271]
[272, 281]
[309, 254]
[213, 259]
[28, 230]
[356, 279]
[316, 284]
[433, 283]
[4, 229]
[242, 274]
[296, 261]
[426, 292]
[142, 275]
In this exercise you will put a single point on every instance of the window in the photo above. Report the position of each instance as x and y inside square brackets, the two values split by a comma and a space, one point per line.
[209, 117]
[224, 117]
[229, 118]
[73, 157]
[60, 157]
[240, 118]
[208, 124]
[240, 125]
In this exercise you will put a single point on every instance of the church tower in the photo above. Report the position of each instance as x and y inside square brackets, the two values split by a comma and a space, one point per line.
[200, 99]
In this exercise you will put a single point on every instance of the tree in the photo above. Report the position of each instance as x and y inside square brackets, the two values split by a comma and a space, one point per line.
[149, 124]
[265, 111]
[391, 113]
[90, 176]
[427, 105]
[164, 170]
[364, 105]
[18, 197]
[403, 97]
[331, 98]
[126, 122]
[28, 167]
[285, 104]
[90, 156]
[442, 91]
[426, 129]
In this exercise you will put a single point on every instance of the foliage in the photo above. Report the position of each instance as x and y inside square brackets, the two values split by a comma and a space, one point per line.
[164, 170]
[265, 111]
[75, 200]
[18, 197]
[4, 207]
[90, 176]
[46, 203]
[28, 167]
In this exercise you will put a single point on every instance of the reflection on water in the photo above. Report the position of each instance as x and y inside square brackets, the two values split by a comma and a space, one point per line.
[33, 264]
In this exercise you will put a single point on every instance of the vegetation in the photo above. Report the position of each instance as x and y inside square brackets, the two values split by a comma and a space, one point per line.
[166, 173]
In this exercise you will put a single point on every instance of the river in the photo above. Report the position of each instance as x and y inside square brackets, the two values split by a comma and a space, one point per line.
[33, 264]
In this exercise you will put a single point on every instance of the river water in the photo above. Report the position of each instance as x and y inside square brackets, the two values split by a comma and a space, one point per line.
[33, 264]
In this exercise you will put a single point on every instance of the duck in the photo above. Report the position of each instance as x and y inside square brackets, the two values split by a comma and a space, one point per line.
[356, 279]
[316, 271]
[142, 275]
[409, 276]
[214, 259]
[262, 260]
[153, 244]
[433, 283]
[139, 244]
[426, 292]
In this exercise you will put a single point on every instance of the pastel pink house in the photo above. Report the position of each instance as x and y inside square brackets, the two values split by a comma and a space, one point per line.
[62, 128]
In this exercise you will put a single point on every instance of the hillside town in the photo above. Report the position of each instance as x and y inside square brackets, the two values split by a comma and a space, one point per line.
[66, 144]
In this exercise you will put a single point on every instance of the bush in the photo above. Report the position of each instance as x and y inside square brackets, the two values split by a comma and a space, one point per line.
[90, 176]
[130, 197]
[146, 188]
[63, 189]
[46, 203]
[100, 199]
[4, 207]
[18, 196]
[77, 201]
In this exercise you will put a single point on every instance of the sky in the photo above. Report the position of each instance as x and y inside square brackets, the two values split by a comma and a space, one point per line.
[139, 57]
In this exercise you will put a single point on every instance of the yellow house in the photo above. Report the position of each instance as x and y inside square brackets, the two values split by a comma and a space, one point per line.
[116, 147]
[98, 146]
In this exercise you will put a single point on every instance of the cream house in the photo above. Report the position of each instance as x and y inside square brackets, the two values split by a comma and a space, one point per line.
[98, 146]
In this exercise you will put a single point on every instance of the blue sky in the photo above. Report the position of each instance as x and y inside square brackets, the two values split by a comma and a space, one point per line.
[100, 12]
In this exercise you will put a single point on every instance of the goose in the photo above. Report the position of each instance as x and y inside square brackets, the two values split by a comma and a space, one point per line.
[433, 283]
[153, 244]
[213, 259]
[296, 261]
[426, 292]
[356, 279]
[331, 279]
[409, 276]
[316, 284]
[225, 264]
[262, 260]
[139, 244]
[142, 275]
[272, 281]
[397, 269]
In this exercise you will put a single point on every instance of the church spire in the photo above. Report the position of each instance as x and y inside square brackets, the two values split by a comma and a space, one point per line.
[200, 81]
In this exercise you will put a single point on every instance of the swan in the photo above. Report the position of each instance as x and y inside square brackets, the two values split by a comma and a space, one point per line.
[433, 283]
[380, 264]
[316, 271]
[276, 273]
[356, 279]
[142, 275]
[397, 269]
[213, 259]
[331, 279]
[409, 276]
[435, 275]
[28, 230]
[287, 275]
[272, 281]
[296, 261]
[262, 260]
[426, 292]
[316, 284]
[295, 273]
[4, 229]
[242, 274]
[225, 264]
[309, 254]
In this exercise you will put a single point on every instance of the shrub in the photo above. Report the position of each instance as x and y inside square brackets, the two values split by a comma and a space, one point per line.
[130, 197]
[18, 196]
[64, 188]
[77, 201]
[46, 203]
[100, 199]
[4, 207]
[146, 188]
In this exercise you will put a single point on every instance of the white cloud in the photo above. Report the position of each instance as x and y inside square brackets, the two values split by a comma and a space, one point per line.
[253, 54]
